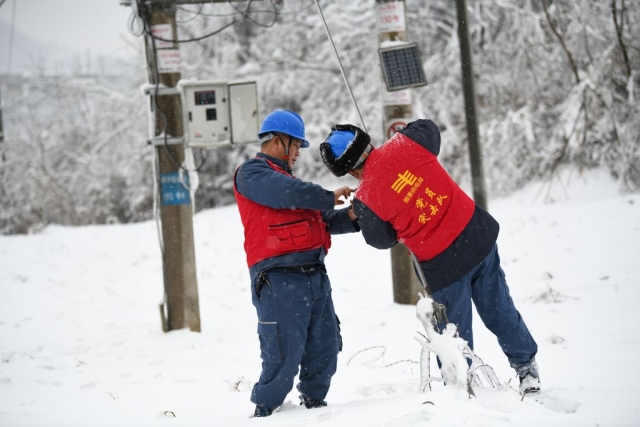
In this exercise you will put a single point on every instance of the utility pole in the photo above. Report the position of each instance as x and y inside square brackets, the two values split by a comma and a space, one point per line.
[397, 113]
[178, 257]
[475, 152]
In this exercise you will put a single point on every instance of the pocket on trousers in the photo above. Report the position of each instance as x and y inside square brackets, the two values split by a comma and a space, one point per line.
[269, 342]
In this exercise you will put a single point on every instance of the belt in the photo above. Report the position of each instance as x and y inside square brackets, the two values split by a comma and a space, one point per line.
[308, 268]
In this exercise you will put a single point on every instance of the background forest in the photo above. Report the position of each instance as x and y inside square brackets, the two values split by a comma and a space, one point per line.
[557, 86]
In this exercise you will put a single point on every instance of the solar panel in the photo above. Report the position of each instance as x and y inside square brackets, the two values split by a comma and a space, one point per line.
[402, 67]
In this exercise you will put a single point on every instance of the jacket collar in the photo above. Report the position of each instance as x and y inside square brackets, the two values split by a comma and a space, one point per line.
[275, 161]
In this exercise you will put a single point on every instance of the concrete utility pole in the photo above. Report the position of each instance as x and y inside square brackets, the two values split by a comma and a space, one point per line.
[397, 113]
[179, 266]
[475, 152]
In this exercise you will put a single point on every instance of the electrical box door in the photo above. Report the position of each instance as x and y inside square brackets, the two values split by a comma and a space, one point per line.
[243, 102]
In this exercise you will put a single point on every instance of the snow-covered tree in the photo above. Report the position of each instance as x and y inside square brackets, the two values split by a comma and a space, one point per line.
[74, 154]
[556, 81]
[557, 85]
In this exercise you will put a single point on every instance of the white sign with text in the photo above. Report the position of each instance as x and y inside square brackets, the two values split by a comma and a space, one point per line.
[391, 17]
[169, 61]
[397, 97]
[165, 32]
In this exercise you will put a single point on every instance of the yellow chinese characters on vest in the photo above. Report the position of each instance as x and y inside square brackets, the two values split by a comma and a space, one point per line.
[427, 203]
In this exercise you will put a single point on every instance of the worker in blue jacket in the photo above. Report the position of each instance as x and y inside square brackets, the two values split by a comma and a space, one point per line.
[287, 226]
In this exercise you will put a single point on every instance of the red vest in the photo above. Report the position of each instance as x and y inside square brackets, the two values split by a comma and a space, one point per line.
[272, 232]
[404, 184]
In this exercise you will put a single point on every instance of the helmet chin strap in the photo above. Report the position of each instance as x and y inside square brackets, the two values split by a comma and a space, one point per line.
[286, 149]
[364, 155]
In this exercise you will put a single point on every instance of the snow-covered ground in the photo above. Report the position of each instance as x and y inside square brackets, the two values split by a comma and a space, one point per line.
[81, 342]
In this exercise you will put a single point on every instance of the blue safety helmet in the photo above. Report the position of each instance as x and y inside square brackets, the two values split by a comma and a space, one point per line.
[283, 121]
[339, 140]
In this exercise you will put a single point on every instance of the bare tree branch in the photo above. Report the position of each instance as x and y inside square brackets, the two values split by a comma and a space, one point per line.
[561, 39]
[619, 31]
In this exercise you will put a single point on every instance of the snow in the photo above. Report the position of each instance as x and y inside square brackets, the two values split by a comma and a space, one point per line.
[447, 346]
[81, 342]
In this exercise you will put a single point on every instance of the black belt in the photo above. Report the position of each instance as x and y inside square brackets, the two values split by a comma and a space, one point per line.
[308, 268]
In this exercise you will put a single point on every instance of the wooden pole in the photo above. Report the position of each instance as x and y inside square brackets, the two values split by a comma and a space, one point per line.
[179, 267]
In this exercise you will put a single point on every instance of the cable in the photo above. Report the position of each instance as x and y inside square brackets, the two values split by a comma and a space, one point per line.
[273, 6]
[196, 14]
[156, 193]
[195, 39]
[293, 12]
[341, 68]
[200, 13]
[244, 14]
[233, 22]
[133, 19]
[275, 14]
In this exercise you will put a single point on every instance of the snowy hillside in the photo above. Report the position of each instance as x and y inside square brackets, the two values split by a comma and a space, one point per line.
[81, 343]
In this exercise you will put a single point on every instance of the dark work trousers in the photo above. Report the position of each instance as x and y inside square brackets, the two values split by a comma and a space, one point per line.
[298, 327]
[486, 285]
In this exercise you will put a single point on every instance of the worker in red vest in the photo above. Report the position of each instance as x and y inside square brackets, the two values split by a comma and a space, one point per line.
[287, 227]
[405, 195]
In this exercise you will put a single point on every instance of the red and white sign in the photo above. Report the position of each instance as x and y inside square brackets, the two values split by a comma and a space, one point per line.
[391, 17]
[397, 97]
[394, 126]
[168, 61]
[163, 31]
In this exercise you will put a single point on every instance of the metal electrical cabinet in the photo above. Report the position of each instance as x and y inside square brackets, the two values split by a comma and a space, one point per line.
[218, 114]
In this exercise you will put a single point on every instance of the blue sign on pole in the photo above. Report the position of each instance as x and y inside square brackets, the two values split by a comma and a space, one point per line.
[175, 189]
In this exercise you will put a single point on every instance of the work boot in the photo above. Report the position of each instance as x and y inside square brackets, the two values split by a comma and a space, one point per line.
[529, 384]
[529, 378]
[311, 402]
[262, 411]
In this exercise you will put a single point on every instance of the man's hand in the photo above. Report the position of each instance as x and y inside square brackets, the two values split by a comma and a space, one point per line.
[352, 214]
[340, 192]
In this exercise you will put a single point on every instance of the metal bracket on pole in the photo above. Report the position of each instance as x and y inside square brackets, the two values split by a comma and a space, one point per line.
[161, 90]
[158, 141]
